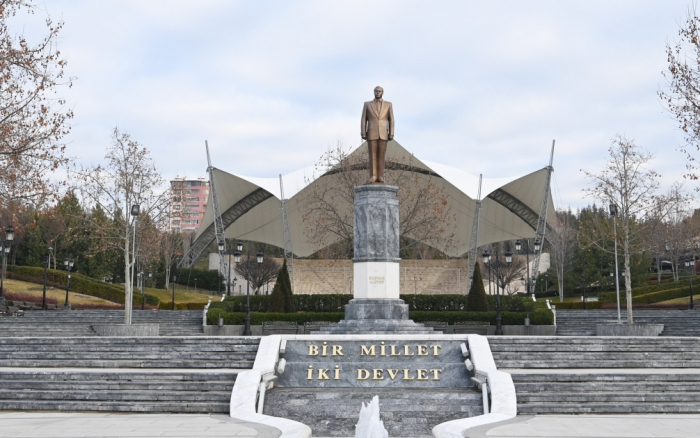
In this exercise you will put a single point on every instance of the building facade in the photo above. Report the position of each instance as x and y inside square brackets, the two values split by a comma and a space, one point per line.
[188, 204]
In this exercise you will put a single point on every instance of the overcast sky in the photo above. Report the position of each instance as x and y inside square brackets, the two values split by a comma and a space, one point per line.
[482, 86]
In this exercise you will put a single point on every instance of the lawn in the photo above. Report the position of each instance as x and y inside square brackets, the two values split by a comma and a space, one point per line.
[183, 294]
[35, 291]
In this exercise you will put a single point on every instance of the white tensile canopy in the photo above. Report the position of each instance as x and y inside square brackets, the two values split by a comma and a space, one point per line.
[250, 207]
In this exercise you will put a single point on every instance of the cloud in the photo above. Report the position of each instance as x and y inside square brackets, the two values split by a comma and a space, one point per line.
[484, 86]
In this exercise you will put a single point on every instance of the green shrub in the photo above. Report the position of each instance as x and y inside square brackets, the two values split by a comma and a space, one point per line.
[282, 300]
[78, 283]
[538, 317]
[476, 300]
[337, 302]
[206, 279]
[168, 305]
[569, 305]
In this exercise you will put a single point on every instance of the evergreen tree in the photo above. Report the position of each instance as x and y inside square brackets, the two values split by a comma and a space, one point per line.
[476, 300]
[287, 289]
[277, 296]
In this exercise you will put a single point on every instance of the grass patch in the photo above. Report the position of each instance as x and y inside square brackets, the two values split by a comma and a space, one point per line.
[24, 291]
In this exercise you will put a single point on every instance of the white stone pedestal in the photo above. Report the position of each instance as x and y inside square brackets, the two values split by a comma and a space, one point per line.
[376, 280]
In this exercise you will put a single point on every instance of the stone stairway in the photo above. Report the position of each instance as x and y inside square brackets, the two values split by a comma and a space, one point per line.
[557, 375]
[54, 323]
[583, 322]
[335, 411]
[156, 374]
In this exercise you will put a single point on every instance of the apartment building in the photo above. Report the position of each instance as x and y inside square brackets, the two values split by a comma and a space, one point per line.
[189, 202]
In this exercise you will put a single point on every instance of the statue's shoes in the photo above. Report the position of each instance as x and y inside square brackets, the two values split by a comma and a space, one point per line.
[380, 180]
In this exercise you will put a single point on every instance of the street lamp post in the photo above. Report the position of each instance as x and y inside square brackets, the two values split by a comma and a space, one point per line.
[142, 287]
[583, 286]
[237, 258]
[518, 248]
[195, 285]
[509, 260]
[128, 302]
[143, 293]
[690, 265]
[47, 262]
[174, 280]
[9, 237]
[68, 263]
[613, 213]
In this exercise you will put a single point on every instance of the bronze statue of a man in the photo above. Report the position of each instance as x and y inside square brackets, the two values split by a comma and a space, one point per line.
[377, 128]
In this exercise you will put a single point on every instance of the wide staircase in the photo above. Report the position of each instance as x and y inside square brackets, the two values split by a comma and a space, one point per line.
[576, 375]
[151, 374]
[63, 323]
[583, 322]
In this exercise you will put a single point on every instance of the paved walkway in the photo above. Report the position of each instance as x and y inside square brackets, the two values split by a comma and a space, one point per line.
[115, 425]
[593, 426]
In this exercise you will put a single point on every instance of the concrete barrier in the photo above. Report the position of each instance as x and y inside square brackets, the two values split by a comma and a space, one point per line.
[629, 329]
[126, 330]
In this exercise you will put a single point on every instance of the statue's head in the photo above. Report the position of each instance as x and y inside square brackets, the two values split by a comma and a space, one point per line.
[378, 92]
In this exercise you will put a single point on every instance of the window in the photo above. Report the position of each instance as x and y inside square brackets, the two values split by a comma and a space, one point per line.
[190, 222]
[193, 199]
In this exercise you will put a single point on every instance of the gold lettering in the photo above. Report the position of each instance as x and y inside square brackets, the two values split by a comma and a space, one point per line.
[405, 374]
[393, 351]
[383, 348]
[362, 374]
[422, 374]
[407, 351]
[338, 350]
[364, 351]
[435, 349]
[377, 374]
[392, 373]
[324, 349]
[322, 374]
[336, 373]
[310, 373]
[436, 374]
[422, 350]
[313, 350]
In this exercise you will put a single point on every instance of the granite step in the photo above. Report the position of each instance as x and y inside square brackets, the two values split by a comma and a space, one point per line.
[405, 412]
[73, 390]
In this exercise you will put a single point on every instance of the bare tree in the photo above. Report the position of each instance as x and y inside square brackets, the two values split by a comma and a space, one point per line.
[563, 241]
[682, 97]
[258, 274]
[626, 183]
[32, 121]
[128, 178]
[424, 212]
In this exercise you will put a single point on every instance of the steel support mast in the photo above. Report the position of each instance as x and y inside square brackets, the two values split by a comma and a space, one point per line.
[218, 222]
[542, 222]
[473, 243]
[287, 236]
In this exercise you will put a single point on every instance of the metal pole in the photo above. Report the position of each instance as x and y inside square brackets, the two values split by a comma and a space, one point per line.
[246, 332]
[228, 276]
[527, 263]
[143, 290]
[691, 305]
[174, 280]
[128, 304]
[67, 287]
[499, 327]
[617, 275]
[2, 279]
[46, 274]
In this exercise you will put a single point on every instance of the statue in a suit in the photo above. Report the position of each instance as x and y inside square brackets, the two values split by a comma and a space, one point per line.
[377, 128]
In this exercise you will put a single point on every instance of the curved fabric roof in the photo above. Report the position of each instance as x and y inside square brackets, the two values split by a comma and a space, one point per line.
[250, 207]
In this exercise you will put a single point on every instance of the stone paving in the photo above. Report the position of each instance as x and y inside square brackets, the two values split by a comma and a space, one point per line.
[114, 425]
[592, 426]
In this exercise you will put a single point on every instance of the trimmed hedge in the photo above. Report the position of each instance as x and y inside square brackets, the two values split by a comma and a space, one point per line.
[168, 305]
[611, 297]
[336, 303]
[78, 283]
[538, 317]
[589, 305]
